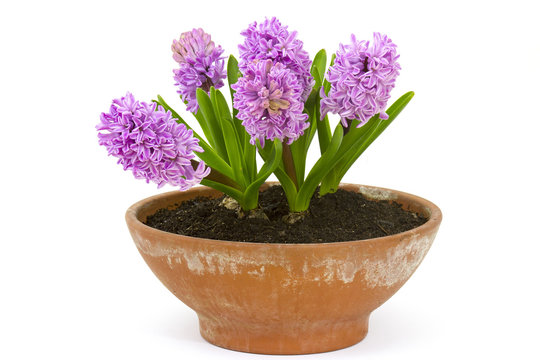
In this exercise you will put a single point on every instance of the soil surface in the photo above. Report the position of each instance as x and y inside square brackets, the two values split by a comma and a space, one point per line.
[342, 216]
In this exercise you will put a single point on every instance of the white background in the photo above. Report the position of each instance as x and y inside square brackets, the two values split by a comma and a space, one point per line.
[72, 283]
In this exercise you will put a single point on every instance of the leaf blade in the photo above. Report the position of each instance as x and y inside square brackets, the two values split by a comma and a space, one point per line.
[269, 166]
[207, 109]
[393, 111]
[209, 156]
[319, 171]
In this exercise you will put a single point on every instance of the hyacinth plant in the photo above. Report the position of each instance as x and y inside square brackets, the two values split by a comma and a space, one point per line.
[281, 99]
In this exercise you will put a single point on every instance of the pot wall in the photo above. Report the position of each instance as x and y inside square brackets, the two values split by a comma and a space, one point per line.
[283, 298]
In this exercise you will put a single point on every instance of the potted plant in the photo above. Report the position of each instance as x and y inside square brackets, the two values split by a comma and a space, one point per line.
[277, 293]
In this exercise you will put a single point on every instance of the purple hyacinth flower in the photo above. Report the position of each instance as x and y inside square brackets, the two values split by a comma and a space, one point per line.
[361, 80]
[269, 102]
[150, 143]
[272, 41]
[201, 65]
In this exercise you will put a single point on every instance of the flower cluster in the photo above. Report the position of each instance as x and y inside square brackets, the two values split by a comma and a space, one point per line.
[268, 99]
[150, 143]
[201, 65]
[271, 40]
[361, 80]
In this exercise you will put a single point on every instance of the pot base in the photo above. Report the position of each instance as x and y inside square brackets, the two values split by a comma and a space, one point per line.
[283, 339]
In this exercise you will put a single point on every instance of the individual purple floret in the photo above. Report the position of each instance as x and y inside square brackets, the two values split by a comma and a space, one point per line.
[150, 143]
[271, 40]
[268, 99]
[361, 80]
[201, 65]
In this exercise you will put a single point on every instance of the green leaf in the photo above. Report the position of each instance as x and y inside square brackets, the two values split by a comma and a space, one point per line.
[347, 149]
[250, 157]
[233, 74]
[285, 181]
[300, 146]
[175, 115]
[393, 111]
[328, 183]
[270, 165]
[248, 152]
[204, 126]
[207, 109]
[309, 106]
[317, 76]
[318, 67]
[319, 171]
[320, 60]
[358, 140]
[220, 106]
[235, 155]
[272, 162]
[213, 160]
[323, 128]
[232, 192]
[350, 141]
[326, 84]
[209, 156]
[263, 151]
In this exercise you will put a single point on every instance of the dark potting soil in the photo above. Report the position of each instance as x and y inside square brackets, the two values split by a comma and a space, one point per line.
[341, 216]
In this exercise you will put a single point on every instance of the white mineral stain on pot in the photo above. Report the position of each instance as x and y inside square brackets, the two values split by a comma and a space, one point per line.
[343, 270]
[397, 265]
[257, 273]
[212, 262]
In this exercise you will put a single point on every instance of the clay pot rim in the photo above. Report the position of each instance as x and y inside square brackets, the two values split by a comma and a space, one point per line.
[432, 210]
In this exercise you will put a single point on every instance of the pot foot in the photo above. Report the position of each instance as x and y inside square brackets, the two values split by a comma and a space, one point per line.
[283, 339]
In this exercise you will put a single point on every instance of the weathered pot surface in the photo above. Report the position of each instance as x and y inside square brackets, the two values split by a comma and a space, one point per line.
[283, 298]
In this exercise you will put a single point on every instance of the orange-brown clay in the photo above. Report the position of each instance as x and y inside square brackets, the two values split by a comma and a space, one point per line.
[283, 298]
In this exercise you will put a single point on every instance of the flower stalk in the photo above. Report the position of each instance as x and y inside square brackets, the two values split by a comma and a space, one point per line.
[288, 164]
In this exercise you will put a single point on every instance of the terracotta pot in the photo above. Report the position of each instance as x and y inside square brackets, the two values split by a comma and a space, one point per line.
[283, 298]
